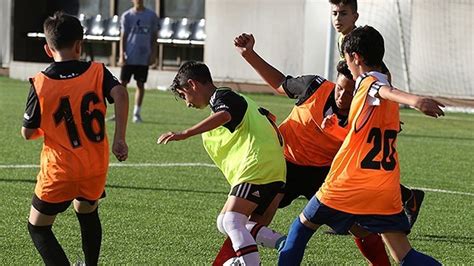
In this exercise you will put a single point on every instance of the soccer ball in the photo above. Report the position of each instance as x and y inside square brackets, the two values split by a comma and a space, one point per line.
[235, 261]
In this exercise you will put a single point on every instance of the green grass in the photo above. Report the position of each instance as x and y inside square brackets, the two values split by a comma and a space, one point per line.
[166, 215]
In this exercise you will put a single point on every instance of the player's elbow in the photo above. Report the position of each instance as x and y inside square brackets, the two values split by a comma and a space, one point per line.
[28, 133]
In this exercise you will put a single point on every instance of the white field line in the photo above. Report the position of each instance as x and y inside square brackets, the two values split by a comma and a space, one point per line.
[441, 118]
[20, 166]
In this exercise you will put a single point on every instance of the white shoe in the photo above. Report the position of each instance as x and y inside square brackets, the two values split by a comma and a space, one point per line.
[137, 119]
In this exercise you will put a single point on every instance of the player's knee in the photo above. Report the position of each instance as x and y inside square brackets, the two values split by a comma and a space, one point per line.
[220, 224]
[233, 221]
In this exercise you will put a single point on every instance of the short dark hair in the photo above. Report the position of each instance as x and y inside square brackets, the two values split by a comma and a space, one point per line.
[62, 30]
[351, 3]
[367, 42]
[190, 70]
[343, 69]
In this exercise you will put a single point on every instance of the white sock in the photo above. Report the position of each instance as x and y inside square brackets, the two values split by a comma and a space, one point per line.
[266, 237]
[242, 240]
[136, 110]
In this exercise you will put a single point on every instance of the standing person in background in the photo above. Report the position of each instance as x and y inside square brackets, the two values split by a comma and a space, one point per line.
[137, 49]
[344, 16]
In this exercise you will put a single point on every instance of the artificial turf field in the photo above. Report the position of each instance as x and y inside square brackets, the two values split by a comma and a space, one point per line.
[162, 203]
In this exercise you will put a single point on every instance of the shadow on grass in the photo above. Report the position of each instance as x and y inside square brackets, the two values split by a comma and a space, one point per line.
[130, 187]
[445, 238]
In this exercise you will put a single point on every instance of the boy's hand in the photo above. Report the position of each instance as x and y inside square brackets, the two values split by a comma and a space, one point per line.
[244, 43]
[120, 150]
[429, 107]
[330, 125]
[329, 122]
[170, 136]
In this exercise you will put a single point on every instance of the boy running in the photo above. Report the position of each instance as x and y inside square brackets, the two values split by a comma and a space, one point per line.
[246, 146]
[66, 105]
[344, 16]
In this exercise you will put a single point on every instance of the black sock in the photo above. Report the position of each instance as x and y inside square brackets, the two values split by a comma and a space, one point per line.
[406, 193]
[91, 233]
[47, 245]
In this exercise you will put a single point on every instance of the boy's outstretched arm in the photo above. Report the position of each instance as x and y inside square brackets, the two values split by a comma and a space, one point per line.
[425, 105]
[272, 76]
[119, 147]
[213, 121]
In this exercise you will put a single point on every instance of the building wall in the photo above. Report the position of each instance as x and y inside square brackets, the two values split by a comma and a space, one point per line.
[290, 34]
[5, 32]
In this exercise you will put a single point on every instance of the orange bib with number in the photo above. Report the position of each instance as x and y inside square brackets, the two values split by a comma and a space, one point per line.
[365, 175]
[75, 155]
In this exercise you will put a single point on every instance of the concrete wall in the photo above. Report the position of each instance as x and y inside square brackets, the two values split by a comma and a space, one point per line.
[290, 34]
[6, 32]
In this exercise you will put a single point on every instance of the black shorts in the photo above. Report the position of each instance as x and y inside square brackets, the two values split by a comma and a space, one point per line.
[262, 195]
[140, 73]
[302, 181]
[55, 208]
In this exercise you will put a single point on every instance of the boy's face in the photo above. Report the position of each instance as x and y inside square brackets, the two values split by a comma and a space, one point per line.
[343, 18]
[191, 94]
[343, 93]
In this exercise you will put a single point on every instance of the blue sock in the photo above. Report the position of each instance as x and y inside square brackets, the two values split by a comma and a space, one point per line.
[414, 257]
[293, 251]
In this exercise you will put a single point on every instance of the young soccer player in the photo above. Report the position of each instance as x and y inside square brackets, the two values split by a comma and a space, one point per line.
[309, 150]
[362, 187]
[66, 106]
[246, 146]
[344, 16]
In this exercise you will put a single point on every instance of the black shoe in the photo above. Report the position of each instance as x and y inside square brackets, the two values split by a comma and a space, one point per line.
[412, 206]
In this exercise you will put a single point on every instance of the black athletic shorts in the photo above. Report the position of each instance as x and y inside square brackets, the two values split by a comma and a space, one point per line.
[262, 195]
[140, 73]
[302, 181]
[55, 208]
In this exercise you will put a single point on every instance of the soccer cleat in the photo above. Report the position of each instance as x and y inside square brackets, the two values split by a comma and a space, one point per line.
[137, 119]
[413, 204]
[280, 243]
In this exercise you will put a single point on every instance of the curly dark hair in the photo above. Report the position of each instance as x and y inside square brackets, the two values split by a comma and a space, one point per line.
[190, 70]
[343, 69]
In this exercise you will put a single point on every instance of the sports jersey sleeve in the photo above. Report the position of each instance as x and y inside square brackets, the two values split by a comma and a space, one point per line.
[373, 98]
[231, 102]
[109, 82]
[302, 87]
[125, 27]
[32, 115]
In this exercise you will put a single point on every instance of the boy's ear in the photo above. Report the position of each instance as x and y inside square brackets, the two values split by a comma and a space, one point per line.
[357, 58]
[78, 47]
[192, 83]
[48, 50]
